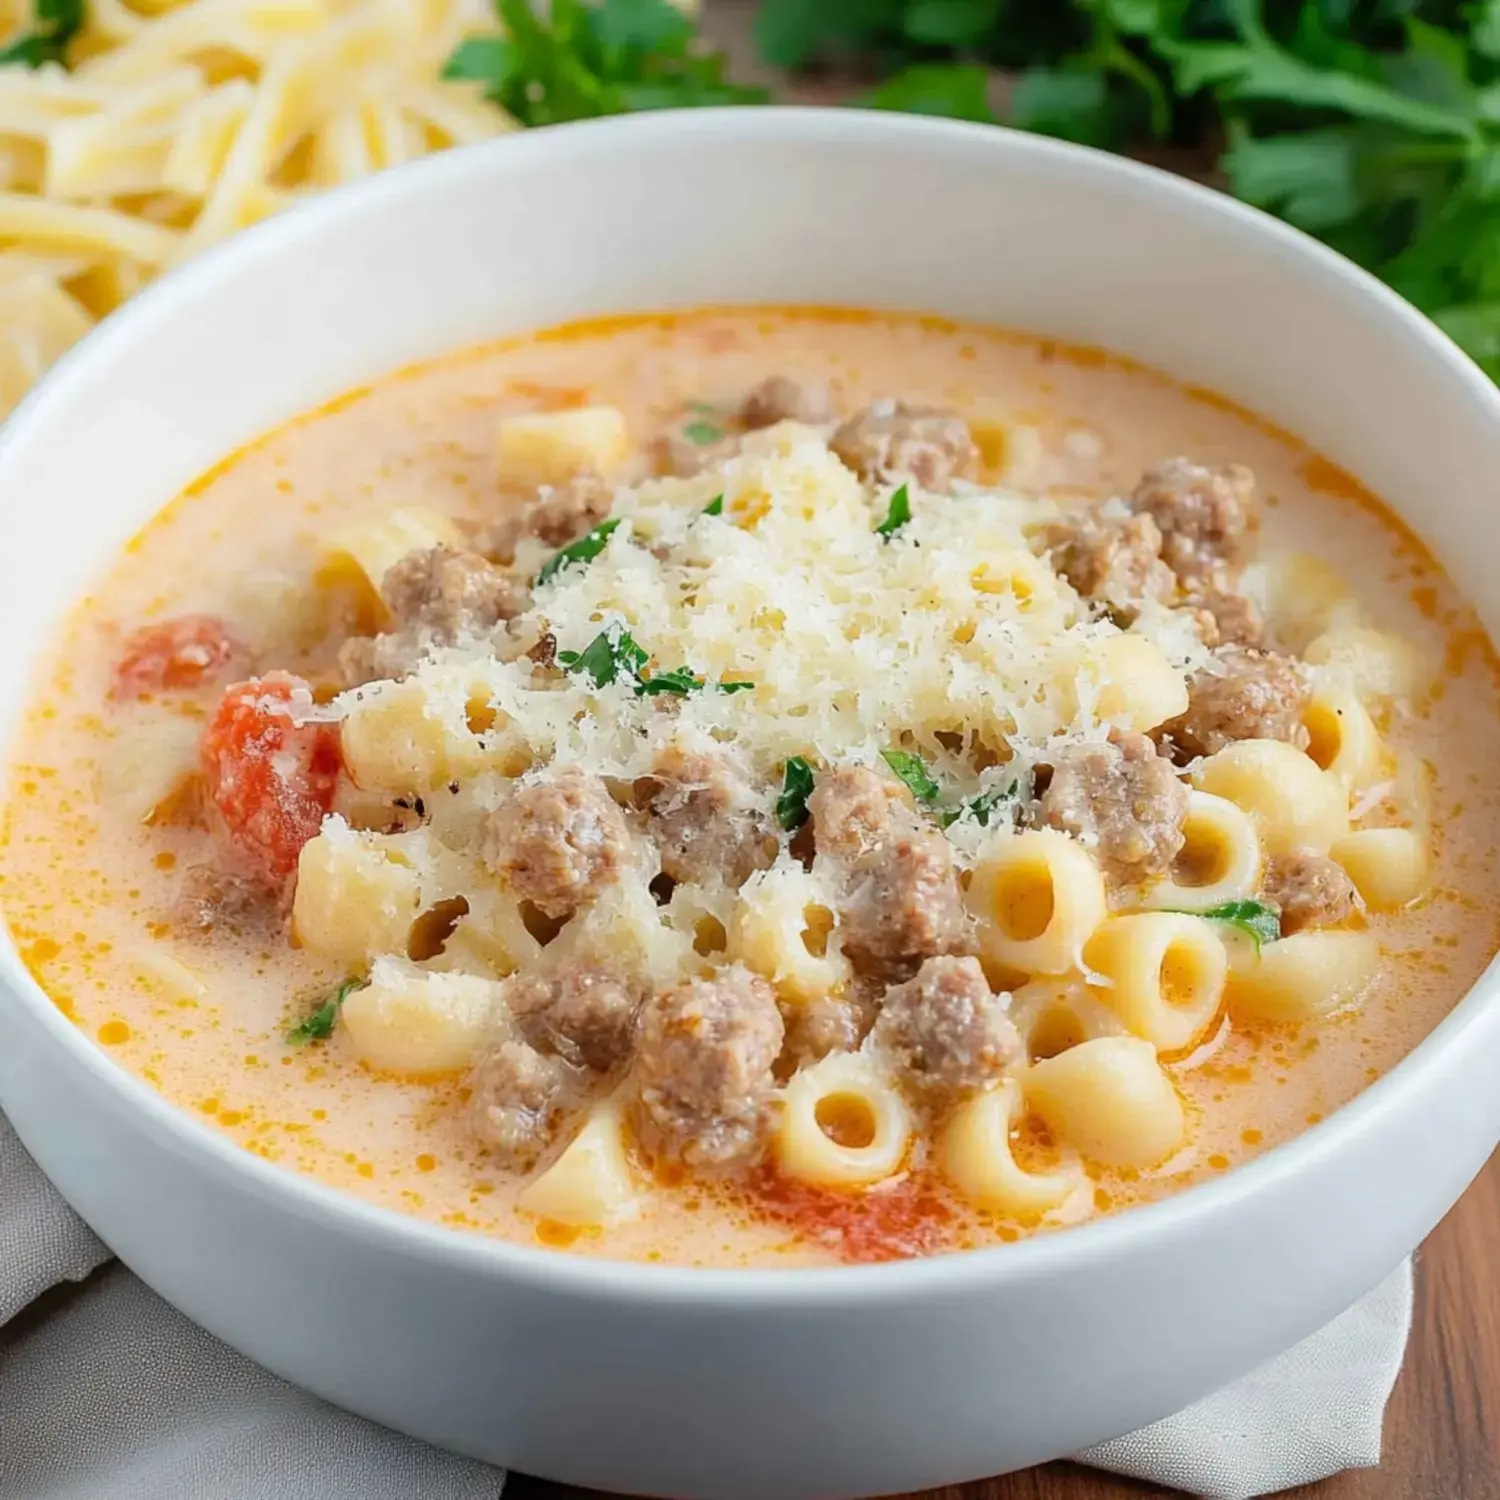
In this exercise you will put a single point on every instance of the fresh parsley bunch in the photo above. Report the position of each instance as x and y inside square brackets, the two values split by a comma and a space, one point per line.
[583, 60]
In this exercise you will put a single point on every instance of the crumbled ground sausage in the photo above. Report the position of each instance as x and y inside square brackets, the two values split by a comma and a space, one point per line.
[707, 1048]
[1309, 890]
[1123, 800]
[450, 594]
[1245, 695]
[521, 1097]
[1203, 514]
[779, 399]
[704, 819]
[945, 1032]
[212, 900]
[437, 596]
[889, 439]
[584, 1013]
[1116, 559]
[827, 1023]
[900, 901]
[851, 809]
[558, 842]
[1228, 619]
[564, 512]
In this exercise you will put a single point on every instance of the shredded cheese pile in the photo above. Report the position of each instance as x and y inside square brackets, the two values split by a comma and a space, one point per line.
[952, 638]
[180, 124]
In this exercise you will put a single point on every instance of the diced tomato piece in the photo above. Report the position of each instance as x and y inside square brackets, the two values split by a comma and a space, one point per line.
[180, 653]
[270, 778]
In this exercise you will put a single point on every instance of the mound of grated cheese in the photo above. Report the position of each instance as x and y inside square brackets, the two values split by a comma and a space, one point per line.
[952, 638]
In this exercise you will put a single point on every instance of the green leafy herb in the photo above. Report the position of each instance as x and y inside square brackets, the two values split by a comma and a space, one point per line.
[681, 680]
[57, 22]
[580, 61]
[796, 788]
[702, 433]
[318, 1026]
[715, 507]
[734, 686]
[912, 769]
[898, 513]
[1254, 918]
[586, 547]
[986, 807]
[611, 654]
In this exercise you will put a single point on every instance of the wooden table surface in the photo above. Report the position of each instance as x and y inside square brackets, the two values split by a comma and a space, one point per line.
[1442, 1433]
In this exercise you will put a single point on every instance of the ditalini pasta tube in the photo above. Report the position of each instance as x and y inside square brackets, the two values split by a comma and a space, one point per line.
[843, 1124]
[976, 1155]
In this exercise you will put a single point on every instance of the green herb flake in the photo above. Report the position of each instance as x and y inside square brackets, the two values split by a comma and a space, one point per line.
[57, 22]
[715, 507]
[912, 769]
[702, 433]
[681, 680]
[1255, 919]
[796, 788]
[898, 514]
[318, 1026]
[734, 687]
[583, 550]
[611, 653]
[986, 807]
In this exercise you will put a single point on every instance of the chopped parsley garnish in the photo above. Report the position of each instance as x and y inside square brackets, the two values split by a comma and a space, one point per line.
[985, 806]
[912, 769]
[318, 1026]
[610, 654]
[898, 514]
[1255, 919]
[586, 547]
[715, 507]
[57, 21]
[702, 433]
[681, 680]
[614, 655]
[796, 788]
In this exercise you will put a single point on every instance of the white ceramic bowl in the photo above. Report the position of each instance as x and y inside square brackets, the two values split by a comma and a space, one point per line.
[733, 1383]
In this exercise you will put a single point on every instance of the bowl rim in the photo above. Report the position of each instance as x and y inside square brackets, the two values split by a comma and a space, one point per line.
[547, 1270]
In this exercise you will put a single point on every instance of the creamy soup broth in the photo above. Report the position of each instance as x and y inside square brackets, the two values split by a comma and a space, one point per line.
[88, 888]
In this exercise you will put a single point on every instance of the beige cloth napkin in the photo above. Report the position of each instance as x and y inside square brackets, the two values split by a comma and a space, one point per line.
[109, 1394]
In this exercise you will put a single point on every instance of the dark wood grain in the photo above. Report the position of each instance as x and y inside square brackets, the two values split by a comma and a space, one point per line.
[1442, 1434]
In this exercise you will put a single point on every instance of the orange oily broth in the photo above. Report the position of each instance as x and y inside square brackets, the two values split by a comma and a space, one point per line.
[85, 886]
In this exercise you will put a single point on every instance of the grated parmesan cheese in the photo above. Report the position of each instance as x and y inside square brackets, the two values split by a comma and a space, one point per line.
[954, 632]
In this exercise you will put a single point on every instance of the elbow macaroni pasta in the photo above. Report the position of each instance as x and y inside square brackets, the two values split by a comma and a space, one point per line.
[591, 1185]
[1302, 977]
[843, 1124]
[1220, 858]
[975, 1152]
[1293, 803]
[1036, 897]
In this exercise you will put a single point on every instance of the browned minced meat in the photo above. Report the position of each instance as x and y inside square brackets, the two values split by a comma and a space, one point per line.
[558, 842]
[826, 1023]
[450, 594]
[522, 1096]
[779, 399]
[1310, 890]
[1228, 619]
[437, 596]
[705, 1058]
[1113, 558]
[1244, 695]
[851, 809]
[889, 439]
[584, 1013]
[944, 1031]
[1203, 514]
[212, 900]
[1121, 799]
[702, 815]
[901, 901]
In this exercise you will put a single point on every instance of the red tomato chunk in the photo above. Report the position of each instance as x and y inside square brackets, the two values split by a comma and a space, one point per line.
[181, 653]
[271, 778]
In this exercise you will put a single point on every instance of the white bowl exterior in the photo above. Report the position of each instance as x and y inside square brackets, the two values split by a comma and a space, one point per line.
[743, 1384]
